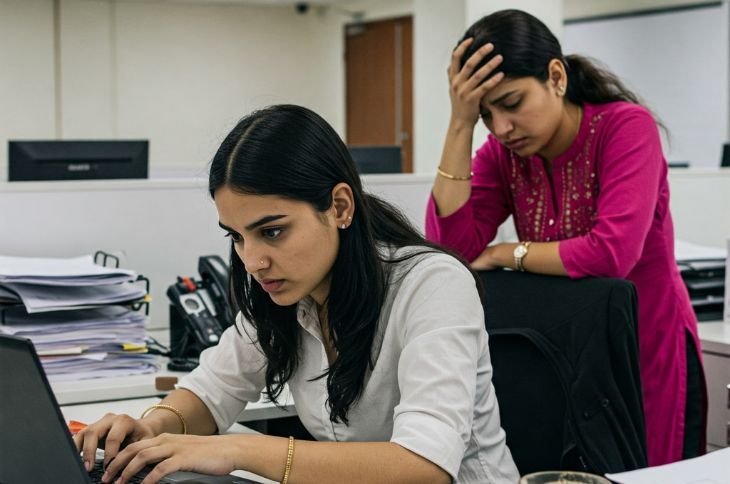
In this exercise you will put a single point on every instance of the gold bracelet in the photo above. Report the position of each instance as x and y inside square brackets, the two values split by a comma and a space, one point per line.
[449, 176]
[167, 407]
[289, 459]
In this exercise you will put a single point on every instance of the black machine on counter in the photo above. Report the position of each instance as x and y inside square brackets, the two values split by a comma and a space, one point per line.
[705, 281]
[199, 312]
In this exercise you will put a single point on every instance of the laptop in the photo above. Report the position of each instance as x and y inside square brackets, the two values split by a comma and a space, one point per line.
[35, 443]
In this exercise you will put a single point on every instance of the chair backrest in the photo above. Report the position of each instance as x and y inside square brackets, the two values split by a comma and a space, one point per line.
[566, 371]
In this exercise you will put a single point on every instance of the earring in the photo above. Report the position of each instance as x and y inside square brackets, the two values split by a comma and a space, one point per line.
[343, 226]
[261, 261]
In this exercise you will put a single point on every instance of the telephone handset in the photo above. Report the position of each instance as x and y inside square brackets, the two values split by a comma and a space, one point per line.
[199, 312]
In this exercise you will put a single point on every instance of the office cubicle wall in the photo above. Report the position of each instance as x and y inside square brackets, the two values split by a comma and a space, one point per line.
[160, 227]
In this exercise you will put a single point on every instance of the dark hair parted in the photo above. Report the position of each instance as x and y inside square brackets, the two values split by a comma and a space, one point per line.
[527, 46]
[290, 151]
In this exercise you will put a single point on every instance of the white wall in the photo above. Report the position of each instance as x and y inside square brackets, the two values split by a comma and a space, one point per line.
[678, 63]
[574, 9]
[180, 74]
[437, 25]
[26, 72]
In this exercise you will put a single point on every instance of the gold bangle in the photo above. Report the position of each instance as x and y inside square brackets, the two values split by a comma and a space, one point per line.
[167, 407]
[289, 459]
[449, 176]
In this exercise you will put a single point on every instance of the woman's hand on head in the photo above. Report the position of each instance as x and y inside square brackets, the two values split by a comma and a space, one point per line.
[112, 433]
[167, 453]
[467, 87]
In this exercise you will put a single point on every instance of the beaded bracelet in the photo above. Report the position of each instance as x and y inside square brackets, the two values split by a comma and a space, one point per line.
[289, 459]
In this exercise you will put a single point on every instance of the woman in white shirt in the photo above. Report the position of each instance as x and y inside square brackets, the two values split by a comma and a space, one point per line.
[378, 334]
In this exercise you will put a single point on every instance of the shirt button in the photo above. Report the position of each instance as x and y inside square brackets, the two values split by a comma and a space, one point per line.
[551, 222]
[548, 239]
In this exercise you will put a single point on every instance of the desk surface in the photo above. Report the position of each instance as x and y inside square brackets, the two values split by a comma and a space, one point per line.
[91, 412]
[715, 336]
[104, 391]
[107, 390]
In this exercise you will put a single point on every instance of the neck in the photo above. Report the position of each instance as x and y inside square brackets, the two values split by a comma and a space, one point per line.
[566, 133]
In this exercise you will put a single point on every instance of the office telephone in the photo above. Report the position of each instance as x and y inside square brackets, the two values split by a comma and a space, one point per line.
[199, 312]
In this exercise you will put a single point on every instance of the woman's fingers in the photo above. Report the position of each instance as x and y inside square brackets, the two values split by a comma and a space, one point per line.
[86, 442]
[467, 83]
[476, 81]
[133, 458]
[482, 86]
[465, 73]
[89, 439]
[455, 64]
[117, 436]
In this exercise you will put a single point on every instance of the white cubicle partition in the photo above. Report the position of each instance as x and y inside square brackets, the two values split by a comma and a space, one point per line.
[161, 226]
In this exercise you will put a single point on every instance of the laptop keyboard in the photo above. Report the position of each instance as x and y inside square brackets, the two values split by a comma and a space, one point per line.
[98, 471]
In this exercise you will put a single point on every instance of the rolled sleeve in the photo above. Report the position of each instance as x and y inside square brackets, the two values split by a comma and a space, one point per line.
[432, 439]
[230, 375]
[437, 370]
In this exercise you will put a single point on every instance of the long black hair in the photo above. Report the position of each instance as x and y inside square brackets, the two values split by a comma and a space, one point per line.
[292, 152]
[527, 46]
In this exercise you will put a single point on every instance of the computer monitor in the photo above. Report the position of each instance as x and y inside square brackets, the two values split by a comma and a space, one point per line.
[40, 160]
[725, 161]
[376, 159]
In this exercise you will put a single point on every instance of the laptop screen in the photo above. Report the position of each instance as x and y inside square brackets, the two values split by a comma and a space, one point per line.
[35, 443]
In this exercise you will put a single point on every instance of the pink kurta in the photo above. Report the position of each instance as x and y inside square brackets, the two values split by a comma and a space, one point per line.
[608, 204]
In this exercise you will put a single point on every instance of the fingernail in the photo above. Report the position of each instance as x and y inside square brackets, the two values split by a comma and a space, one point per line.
[88, 465]
[105, 477]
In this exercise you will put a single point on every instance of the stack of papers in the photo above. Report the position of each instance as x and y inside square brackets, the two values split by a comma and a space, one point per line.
[69, 309]
[47, 284]
[38, 298]
[57, 271]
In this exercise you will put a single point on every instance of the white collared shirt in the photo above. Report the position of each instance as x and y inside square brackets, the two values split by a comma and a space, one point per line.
[430, 390]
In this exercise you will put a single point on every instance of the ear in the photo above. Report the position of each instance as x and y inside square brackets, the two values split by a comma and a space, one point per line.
[557, 77]
[343, 205]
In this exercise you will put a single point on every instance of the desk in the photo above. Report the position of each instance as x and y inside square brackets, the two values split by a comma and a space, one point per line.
[715, 340]
[105, 391]
[91, 412]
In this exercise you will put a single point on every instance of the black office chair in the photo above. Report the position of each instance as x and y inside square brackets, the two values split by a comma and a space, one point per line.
[566, 371]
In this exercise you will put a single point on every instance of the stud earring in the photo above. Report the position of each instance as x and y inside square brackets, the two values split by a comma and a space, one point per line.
[343, 226]
[261, 261]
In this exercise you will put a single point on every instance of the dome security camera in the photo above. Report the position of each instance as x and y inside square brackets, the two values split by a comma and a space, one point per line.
[302, 7]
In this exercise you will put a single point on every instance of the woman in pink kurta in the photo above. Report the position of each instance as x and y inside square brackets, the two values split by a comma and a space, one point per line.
[578, 163]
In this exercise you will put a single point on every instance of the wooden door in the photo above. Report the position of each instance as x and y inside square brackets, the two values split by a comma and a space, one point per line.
[379, 85]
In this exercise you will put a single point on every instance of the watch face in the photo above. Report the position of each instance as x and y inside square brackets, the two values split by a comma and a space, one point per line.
[520, 251]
